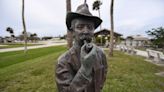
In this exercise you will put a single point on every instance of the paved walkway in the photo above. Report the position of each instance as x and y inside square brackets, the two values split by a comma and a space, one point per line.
[31, 47]
[160, 74]
[141, 53]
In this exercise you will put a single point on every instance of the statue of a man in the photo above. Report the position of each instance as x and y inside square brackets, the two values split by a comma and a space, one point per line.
[83, 68]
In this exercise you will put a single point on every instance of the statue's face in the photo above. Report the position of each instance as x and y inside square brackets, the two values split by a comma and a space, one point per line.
[83, 30]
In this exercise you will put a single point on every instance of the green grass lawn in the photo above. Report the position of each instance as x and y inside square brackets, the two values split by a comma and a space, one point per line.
[35, 72]
[31, 73]
[14, 45]
[132, 74]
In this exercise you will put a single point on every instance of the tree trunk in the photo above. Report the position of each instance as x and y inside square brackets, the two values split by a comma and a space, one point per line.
[69, 34]
[100, 27]
[99, 17]
[24, 28]
[112, 29]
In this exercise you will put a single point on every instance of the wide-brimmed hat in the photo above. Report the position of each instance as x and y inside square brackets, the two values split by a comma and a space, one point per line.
[82, 12]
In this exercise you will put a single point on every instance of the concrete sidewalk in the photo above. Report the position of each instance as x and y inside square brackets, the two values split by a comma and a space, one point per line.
[31, 47]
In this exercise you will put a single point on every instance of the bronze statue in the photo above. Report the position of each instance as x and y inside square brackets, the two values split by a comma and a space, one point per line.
[83, 68]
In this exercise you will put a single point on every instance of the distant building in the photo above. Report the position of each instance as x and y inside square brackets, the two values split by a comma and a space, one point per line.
[136, 41]
[8, 39]
[102, 37]
[1, 40]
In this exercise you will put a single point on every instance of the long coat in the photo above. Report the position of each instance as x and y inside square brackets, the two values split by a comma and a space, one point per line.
[69, 77]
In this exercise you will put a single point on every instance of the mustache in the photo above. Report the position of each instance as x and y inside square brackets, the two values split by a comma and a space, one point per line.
[86, 36]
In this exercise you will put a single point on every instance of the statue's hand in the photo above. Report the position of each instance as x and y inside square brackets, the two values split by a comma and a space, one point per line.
[88, 59]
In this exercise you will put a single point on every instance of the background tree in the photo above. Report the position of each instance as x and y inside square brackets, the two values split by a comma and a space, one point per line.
[21, 37]
[96, 6]
[157, 35]
[112, 28]
[69, 33]
[33, 37]
[34, 34]
[47, 37]
[24, 28]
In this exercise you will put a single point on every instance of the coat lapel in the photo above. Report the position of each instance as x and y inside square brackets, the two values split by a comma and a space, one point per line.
[75, 60]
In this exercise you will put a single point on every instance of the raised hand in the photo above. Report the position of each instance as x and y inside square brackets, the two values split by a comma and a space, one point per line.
[88, 59]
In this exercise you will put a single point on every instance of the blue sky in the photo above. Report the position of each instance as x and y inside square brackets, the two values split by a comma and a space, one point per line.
[47, 17]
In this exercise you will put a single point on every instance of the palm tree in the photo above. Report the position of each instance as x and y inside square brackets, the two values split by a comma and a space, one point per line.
[69, 33]
[11, 31]
[24, 28]
[96, 6]
[112, 28]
